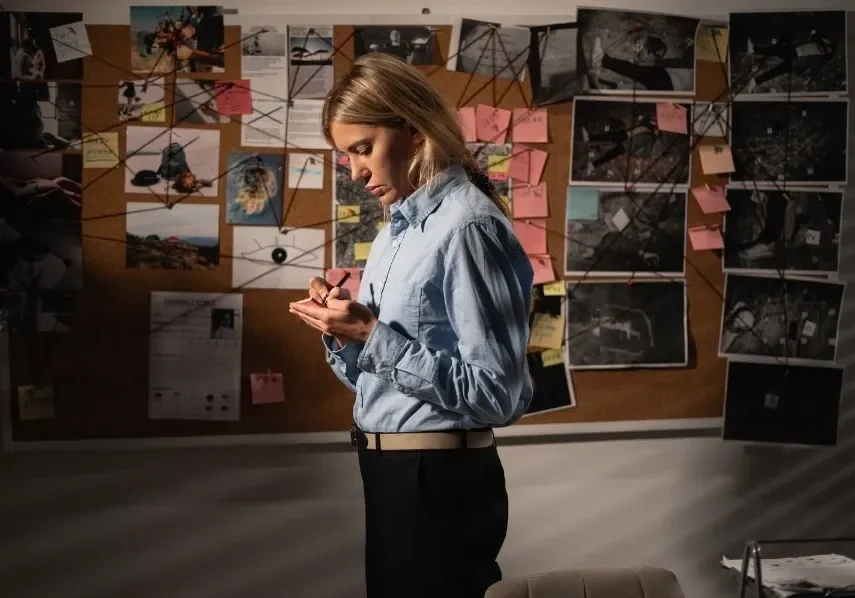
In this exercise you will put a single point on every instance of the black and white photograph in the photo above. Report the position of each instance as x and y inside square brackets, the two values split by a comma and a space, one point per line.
[552, 384]
[618, 141]
[552, 62]
[40, 223]
[177, 39]
[777, 319]
[348, 235]
[612, 325]
[56, 312]
[626, 51]
[488, 49]
[172, 163]
[311, 72]
[196, 103]
[413, 45]
[142, 100]
[223, 324]
[264, 42]
[31, 48]
[795, 142]
[782, 404]
[636, 233]
[788, 53]
[40, 115]
[494, 159]
[794, 231]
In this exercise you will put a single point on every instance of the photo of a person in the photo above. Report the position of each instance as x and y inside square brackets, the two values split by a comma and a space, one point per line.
[28, 63]
[223, 324]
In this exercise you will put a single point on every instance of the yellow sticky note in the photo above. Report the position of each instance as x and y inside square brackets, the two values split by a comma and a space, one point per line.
[711, 44]
[547, 331]
[555, 289]
[153, 113]
[716, 159]
[496, 163]
[552, 357]
[361, 251]
[35, 402]
[101, 150]
[347, 214]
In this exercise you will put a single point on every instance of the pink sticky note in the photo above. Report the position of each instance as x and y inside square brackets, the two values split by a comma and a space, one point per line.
[233, 97]
[266, 388]
[711, 199]
[536, 161]
[530, 201]
[467, 120]
[520, 165]
[530, 126]
[716, 159]
[672, 118]
[333, 275]
[543, 270]
[491, 124]
[705, 238]
[531, 235]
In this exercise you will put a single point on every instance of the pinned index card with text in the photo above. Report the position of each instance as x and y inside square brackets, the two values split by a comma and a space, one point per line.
[491, 124]
[530, 125]
[233, 97]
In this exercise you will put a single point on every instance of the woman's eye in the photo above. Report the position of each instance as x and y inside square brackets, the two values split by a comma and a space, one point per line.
[364, 150]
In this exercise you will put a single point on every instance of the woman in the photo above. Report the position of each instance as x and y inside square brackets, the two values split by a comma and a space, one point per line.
[435, 346]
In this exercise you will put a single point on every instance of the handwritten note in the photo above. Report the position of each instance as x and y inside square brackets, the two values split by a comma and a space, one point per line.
[531, 126]
[35, 402]
[672, 118]
[812, 236]
[705, 238]
[543, 270]
[531, 235]
[305, 171]
[233, 97]
[333, 275]
[536, 161]
[711, 199]
[361, 251]
[101, 150]
[153, 113]
[808, 328]
[547, 331]
[467, 121]
[520, 164]
[555, 289]
[583, 203]
[552, 357]
[347, 214]
[491, 124]
[711, 44]
[70, 42]
[266, 388]
[716, 159]
[530, 201]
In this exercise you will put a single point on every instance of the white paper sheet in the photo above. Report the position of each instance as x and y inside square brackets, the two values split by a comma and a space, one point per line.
[265, 127]
[264, 55]
[265, 258]
[305, 171]
[195, 356]
[70, 42]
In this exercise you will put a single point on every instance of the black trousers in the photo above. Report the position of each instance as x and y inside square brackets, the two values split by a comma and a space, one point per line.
[435, 522]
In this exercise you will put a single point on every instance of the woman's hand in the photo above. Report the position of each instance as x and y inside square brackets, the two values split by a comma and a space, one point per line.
[342, 318]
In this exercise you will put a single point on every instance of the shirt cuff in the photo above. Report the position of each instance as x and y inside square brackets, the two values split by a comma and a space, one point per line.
[345, 353]
[382, 350]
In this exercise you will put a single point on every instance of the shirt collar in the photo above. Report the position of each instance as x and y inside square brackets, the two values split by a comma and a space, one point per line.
[416, 207]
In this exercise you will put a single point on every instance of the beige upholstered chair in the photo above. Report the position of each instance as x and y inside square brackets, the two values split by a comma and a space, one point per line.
[639, 582]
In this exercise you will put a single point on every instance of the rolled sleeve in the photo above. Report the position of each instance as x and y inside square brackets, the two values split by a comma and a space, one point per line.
[343, 360]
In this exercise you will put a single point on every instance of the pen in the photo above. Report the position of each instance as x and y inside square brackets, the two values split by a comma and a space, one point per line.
[339, 283]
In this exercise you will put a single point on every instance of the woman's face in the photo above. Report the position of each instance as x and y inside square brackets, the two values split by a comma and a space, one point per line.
[379, 157]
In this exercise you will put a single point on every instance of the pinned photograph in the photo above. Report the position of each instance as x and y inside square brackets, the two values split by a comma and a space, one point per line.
[795, 142]
[710, 120]
[177, 39]
[626, 51]
[782, 404]
[413, 45]
[267, 258]
[495, 159]
[32, 49]
[552, 382]
[183, 237]
[552, 63]
[614, 325]
[142, 100]
[56, 312]
[40, 223]
[788, 53]
[778, 319]
[635, 233]
[356, 214]
[619, 141]
[172, 161]
[264, 57]
[264, 41]
[40, 115]
[796, 231]
[311, 69]
[488, 49]
[254, 193]
[196, 103]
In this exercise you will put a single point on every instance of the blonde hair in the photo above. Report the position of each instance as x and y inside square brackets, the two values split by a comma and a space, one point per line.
[383, 90]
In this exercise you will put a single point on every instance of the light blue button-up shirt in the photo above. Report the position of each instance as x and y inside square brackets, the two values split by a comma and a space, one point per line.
[450, 286]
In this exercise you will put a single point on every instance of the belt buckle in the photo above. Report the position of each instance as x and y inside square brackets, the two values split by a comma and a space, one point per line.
[358, 438]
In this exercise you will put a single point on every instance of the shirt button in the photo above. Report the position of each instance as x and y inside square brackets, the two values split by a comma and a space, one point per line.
[395, 243]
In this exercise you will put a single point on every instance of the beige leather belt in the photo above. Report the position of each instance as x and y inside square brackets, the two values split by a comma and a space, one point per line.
[422, 441]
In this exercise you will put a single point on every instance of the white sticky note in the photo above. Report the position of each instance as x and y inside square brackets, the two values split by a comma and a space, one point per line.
[812, 237]
[305, 171]
[620, 219]
[70, 42]
[808, 328]
[770, 401]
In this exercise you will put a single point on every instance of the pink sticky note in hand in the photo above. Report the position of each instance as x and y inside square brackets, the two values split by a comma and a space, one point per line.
[705, 238]
[520, 165]
[266, 388]
[536, 161]
[491, 124]
[672, 118]
[530, 201]
[467, 121]
[531, 126]
[531, 235]
[543, 270]
[233, 97]
[711, 199]
[333, 275]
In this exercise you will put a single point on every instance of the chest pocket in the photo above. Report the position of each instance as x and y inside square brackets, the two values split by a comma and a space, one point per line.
[400, 307]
